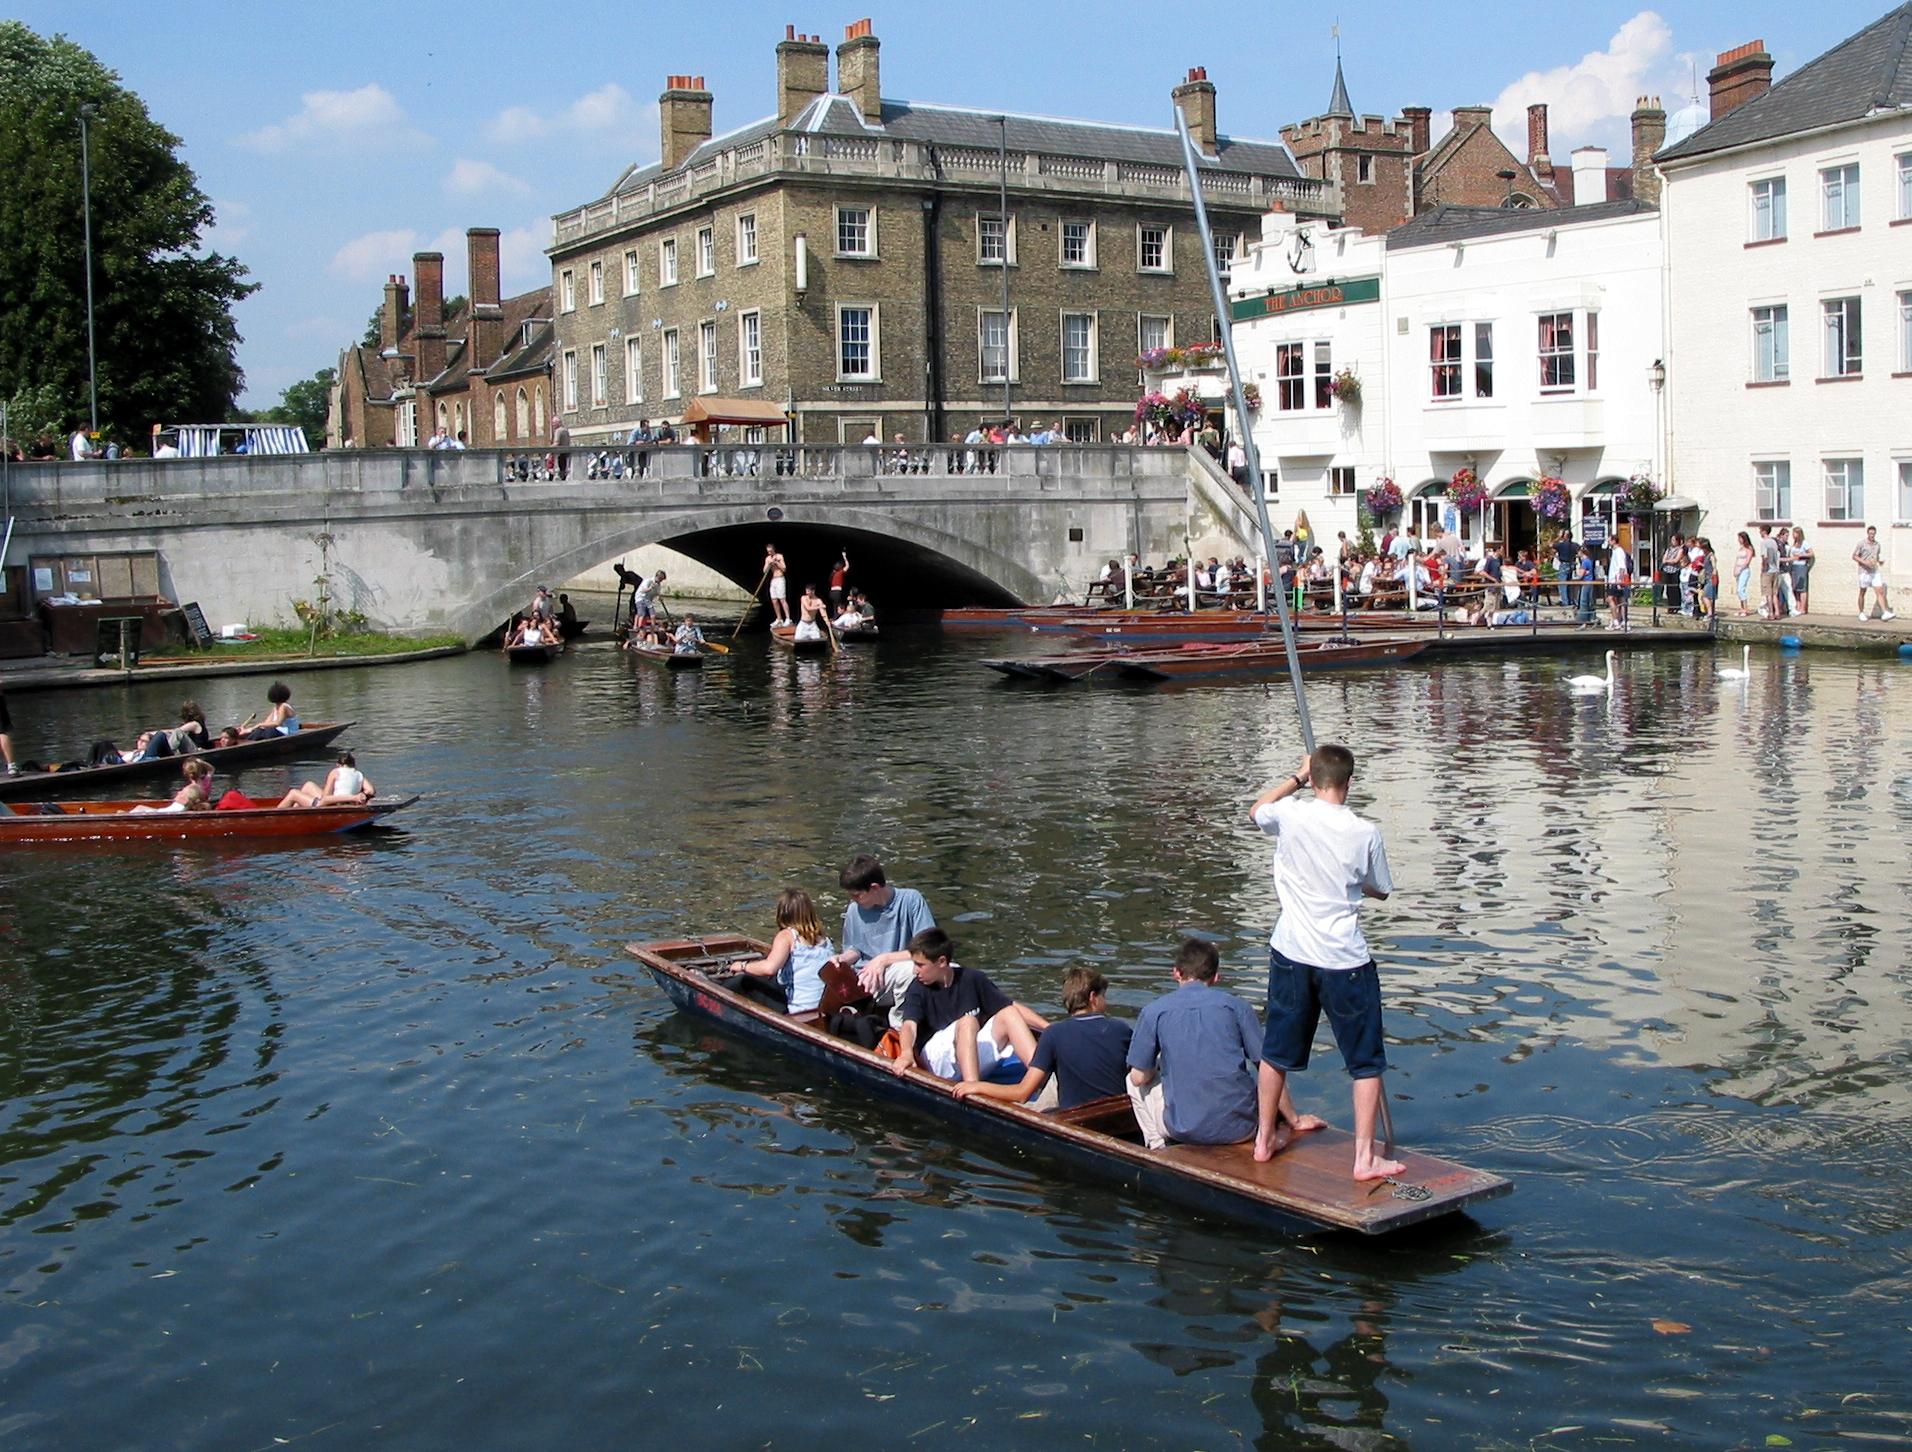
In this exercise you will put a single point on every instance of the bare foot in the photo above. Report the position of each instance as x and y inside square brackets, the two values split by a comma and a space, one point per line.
[1377, 1169]
[1307, 1122]
[1267, 1147]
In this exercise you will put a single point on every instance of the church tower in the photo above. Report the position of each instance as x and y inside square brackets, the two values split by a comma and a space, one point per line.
[1369, 160]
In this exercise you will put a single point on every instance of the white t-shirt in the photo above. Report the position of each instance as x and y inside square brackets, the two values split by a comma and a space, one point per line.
[1619, 567]
[1324, 856]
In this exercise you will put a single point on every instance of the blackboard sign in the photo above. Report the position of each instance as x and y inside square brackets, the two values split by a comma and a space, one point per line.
[1593, 531]
[196, 623]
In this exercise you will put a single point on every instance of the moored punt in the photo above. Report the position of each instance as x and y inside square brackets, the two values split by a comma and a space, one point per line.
[858, 634]
[221, 758]
[572, 629]
[1206, 660]
[667, 656]
[1142, 626]
[1304, 1189]
[26, 822]
[533, 654]
[786, 635]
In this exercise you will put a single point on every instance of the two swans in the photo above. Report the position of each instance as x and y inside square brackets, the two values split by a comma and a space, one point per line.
[1594, 685]
[1743, 673]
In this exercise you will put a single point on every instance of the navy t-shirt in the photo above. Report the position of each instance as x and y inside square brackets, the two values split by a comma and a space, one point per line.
[1088, 1053]
[969, 991]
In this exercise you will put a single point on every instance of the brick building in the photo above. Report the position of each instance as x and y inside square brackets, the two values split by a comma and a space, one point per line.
[481, 368]
[844, 259]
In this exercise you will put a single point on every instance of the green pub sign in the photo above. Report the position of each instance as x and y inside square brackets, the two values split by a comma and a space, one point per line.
[1303, 299]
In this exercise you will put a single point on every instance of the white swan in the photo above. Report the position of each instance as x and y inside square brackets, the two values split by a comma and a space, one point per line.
[1590, 685]
[1744, 671]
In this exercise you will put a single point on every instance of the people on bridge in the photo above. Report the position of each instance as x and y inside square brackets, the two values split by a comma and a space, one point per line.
[956, 1022]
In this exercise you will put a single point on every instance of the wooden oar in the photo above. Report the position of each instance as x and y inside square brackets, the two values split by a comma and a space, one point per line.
[829, 632]
[717, 646]
[753, 603]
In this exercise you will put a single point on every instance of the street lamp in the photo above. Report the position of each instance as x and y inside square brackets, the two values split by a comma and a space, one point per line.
[88, 111]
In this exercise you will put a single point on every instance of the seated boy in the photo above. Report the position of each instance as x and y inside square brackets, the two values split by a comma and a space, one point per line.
[1086, 1053]
[956, 1023]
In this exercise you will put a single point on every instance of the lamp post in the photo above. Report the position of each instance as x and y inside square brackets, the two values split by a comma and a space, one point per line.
[87, 112]
[1656, 380]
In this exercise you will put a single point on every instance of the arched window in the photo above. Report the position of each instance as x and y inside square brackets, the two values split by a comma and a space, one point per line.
[458, 418]
[538, 411]
[497, 418]
[444, 419]
[524, 414]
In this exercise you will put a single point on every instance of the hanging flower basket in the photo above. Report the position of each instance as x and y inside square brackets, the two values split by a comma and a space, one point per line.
[1251, 392]
[1552, 500]
[1466, 491]
[1169, 413]
[1383, 498]
[1195, 357]
[1346, 387]
[1641, 493]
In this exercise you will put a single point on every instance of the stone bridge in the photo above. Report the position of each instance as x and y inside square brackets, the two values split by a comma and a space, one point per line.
[430, 541]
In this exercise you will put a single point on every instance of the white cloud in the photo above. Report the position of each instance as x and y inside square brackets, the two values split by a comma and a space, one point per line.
[374, 255]
[470, 178]
[1589, 101]
[230, 227]
[609, 111]
[368, 116]
[521, 259]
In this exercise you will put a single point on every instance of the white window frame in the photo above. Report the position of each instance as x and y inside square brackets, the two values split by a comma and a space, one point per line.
[567, 291]
[1842, 328]
[1339, 481]
[1772, 343]
[1225, 262]
[706, 250]
[874, 373]
[632, 282]
[747, 255]
[1321, 373]
[707, 355]
[1291, 376]
[1841, 182]
[1093, 373]
[1085, 263]
[600, 375]
[667, 262]
[633, 369]
[1166, 268]
[568, 378]
[983, 375]
[1479, 332]
[1851, 487]
[1766, 209]
[1451, 362]
[1570, 354]
[670, 362]
[750, 349]
[1772, 489]
[1905, 330]
[1008, 240]
[1902, 491]
[1142, 320]
[595, 284]
[868, 249]
[1904, 160]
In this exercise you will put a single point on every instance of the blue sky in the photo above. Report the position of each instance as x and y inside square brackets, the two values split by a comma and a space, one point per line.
[338, 139]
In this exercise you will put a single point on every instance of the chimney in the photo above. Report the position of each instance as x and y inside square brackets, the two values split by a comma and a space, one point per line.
[1537, 158]
[1420, 127]
[1589, 175]
[1649, 134]
[428, 323]
[1195, 99]
[1742, 74]
[683, 118]
[857, 75]
[484, 334]
[803, 73]
[391, 318]
[1466, 116]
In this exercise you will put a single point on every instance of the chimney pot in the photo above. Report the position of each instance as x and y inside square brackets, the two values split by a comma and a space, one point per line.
[858, 73]
[1195, 99]
[683, 119]
[1742, 74]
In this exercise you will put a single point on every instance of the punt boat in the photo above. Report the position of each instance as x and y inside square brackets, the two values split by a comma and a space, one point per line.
[29, 822]
[1306, 1189]
[572, 629]
[1205, 661]
[221, 758]
[540, 654]
[667, 656]
[786, 635]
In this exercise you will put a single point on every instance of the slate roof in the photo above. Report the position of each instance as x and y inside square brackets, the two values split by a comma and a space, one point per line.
[921, 121]
[530, 358]
[1868, 72]
[1467, 224]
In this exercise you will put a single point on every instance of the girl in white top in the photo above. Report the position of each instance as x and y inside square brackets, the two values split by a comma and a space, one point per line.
[345, 786]
[797, 954]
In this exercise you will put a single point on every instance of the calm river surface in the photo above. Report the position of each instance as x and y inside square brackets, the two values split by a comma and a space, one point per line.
[389, 1142]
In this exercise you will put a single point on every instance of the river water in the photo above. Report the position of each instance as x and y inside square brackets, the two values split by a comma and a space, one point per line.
[389, 1141]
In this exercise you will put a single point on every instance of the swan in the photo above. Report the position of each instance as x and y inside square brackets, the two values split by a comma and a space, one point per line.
[1588, 685]
[1744, 671]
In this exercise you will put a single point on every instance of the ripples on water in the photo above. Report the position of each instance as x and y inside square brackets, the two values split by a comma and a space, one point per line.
[387, 1139]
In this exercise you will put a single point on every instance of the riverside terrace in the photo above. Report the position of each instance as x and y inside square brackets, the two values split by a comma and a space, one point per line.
[433, 541]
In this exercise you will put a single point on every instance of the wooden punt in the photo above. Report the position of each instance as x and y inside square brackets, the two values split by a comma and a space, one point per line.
[572, 629]
[533, 654]
[1306, 1189]
[858, 635]
[668, 657]
[222, 758]
[1206, 660]
[786, 636]
[1156, 626]
[28, 822]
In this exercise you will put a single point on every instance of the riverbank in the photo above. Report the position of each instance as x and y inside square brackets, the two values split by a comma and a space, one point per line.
[50, 674]
[1814, 632]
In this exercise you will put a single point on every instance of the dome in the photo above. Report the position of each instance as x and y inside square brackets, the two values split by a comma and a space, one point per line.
[1685, 121]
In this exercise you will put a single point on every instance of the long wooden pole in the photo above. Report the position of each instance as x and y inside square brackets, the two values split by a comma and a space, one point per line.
[753, 604]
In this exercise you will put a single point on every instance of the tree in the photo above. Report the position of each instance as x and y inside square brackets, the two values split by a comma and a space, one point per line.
[306, 404]
[166, 339]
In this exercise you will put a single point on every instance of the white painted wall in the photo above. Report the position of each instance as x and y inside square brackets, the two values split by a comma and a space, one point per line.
[1722, 426]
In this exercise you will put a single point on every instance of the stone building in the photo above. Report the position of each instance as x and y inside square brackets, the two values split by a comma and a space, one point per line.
[480, 367]
[843, 261]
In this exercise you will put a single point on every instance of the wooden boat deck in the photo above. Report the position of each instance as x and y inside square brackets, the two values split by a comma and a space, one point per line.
[26, 823]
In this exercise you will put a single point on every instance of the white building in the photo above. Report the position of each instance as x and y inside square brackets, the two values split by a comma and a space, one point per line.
[1788, 222]
[1518, 344]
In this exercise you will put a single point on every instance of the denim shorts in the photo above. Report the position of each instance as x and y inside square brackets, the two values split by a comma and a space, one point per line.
[1297, 994]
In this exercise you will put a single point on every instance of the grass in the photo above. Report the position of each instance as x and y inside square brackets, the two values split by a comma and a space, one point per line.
[295, 643]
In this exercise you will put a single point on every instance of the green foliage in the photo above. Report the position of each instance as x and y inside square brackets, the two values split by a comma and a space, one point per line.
[163, 312]
[305, 403]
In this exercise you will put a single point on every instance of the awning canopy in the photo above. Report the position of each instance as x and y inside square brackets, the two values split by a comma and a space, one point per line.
[754, 412]
[1674, 503]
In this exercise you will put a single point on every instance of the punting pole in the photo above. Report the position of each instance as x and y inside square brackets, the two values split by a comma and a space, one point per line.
[1242, 421]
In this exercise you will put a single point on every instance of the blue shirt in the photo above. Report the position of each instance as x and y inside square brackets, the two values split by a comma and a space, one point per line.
[1207, 1043]
[887, 929]
[1087, 1053]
